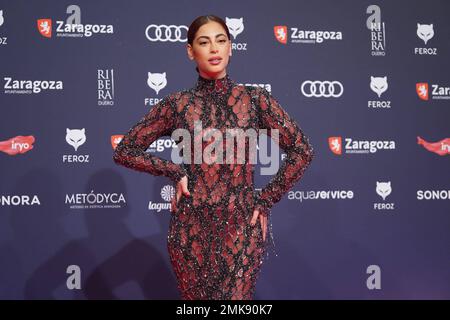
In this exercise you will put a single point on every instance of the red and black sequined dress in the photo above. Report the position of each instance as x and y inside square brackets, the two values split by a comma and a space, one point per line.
[214, 251]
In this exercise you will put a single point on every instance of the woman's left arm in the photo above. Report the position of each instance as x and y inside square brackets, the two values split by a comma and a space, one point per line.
[291, 140]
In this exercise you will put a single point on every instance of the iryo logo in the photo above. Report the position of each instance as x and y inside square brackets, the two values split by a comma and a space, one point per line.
[16, 145]
[442, 147]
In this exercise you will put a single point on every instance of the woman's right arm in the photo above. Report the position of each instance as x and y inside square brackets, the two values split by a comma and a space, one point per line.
[130, 152]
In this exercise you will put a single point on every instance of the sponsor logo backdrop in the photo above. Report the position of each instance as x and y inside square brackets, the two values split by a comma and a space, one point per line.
[368, 82]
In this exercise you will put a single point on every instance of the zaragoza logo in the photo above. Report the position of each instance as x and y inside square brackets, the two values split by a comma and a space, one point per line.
[422, 90]
[45, 27]
[335, 144]
[354, 146]
[280, 33]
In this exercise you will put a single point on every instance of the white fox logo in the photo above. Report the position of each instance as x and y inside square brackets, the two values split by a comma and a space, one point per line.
[157, 81]
[75, 137]
[425, 32]
[235, 26]
[384, 189]
[378, 85]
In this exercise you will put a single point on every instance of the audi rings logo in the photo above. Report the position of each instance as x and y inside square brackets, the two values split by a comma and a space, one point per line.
[324, 89]
[165, 33]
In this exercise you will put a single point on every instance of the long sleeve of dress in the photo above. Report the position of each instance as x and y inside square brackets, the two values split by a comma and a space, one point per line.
[292, 141]
[130, 152]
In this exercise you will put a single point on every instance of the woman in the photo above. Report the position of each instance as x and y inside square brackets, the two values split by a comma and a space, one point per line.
[215, 244]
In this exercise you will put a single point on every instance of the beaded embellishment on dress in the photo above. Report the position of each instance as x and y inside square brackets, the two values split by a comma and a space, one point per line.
[214, 251]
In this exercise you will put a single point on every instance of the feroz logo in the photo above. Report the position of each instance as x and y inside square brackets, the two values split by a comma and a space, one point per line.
[3, 39]
[1, 18]
[45, 27]
[422, 90]
[157, 81]
[236, 27]
[76, 138]
[426, 33]
[384, 189]
[379, 85]
[280, 33]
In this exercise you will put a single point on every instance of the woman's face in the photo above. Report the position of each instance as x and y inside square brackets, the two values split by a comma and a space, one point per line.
[210, 42]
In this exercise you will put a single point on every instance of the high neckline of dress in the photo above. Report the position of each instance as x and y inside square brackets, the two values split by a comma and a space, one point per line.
[220, 85]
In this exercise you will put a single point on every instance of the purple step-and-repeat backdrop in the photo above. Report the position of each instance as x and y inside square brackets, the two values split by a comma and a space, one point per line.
[368, 82]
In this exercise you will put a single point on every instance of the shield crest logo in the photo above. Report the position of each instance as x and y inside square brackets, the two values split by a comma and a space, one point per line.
[45, 27]
[335, 145]
[422, 90]
[280, 33]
